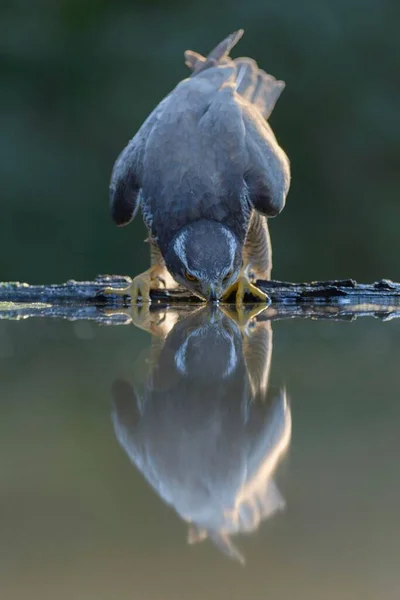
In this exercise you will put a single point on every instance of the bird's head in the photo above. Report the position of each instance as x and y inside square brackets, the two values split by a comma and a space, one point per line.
[205, 257]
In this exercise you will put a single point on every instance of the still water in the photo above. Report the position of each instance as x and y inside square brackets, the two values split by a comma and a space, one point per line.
[212, 459]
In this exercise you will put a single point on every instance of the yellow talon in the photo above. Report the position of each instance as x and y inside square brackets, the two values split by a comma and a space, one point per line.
[140, 287]
[243, 316]
[242, 286]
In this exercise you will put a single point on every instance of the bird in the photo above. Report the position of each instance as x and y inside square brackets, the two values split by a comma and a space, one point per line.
[207, 172]
[203, 425]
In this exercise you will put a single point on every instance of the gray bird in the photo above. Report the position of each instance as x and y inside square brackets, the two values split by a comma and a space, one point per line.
[203, 427]
[207, 171]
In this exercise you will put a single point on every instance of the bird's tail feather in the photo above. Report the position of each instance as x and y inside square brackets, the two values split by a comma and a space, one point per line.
[252, 83]
[219, 56]
[257, 86]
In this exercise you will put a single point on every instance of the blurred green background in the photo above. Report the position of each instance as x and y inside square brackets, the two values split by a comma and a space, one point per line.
[78, 77]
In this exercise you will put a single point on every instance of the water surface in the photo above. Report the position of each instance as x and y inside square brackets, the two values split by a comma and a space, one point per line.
[212, 460]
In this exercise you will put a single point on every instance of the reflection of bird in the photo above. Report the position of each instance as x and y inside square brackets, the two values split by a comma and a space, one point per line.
[203, 432]
[206, 170]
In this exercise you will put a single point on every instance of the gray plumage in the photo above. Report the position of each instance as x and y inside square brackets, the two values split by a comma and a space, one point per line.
[204, 431]
[206, 154]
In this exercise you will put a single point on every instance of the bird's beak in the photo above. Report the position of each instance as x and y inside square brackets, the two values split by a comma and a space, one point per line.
[213, 295]
[211, 292]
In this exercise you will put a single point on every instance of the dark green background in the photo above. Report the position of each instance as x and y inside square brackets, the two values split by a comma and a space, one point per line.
[79, 77]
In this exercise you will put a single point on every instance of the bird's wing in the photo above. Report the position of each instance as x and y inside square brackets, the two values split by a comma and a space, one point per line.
[126, 178]
[267, 169]
[125, 186]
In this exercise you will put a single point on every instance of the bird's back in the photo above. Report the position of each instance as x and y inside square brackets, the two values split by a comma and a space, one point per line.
[194, 156]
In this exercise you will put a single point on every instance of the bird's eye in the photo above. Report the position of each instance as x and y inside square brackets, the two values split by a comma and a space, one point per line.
[190, 277]
[228, 276]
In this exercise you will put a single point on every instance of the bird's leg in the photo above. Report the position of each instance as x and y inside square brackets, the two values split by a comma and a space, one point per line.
[257, 262]
[256, 345]
[145, 282]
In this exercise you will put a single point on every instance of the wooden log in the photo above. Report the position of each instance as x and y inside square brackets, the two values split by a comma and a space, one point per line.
[339, 299]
